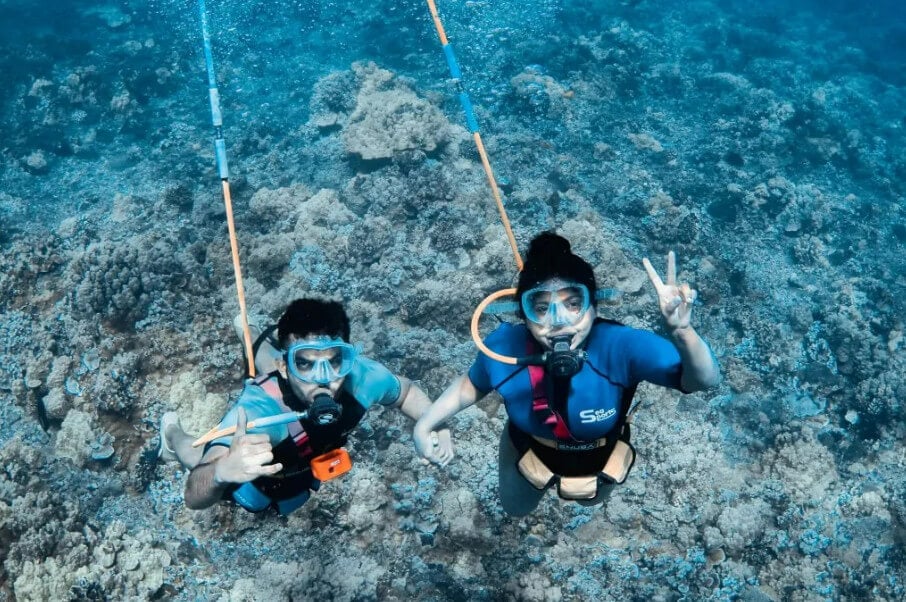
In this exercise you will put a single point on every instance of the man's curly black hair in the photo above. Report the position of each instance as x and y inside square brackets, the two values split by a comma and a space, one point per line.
[312, 317]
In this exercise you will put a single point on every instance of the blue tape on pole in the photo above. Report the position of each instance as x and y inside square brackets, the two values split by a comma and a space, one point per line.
[220, 152]
[206, 38]
[470, 114]
[209, 62]
[455, 73]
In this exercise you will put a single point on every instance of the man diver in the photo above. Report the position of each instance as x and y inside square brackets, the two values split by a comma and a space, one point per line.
[315, 372]
[569, 408]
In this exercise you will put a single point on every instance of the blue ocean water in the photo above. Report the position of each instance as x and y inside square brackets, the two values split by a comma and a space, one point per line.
[762, 141]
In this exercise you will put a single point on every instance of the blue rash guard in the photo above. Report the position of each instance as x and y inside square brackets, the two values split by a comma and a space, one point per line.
[295, 443]
[624, 356]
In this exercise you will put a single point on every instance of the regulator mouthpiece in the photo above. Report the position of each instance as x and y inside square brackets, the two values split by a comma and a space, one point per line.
[561, 361]
[324, 410]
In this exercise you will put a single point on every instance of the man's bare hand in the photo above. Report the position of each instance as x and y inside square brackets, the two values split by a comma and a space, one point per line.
[248, 457]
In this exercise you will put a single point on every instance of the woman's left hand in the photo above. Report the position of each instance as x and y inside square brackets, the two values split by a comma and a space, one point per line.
[675, 300]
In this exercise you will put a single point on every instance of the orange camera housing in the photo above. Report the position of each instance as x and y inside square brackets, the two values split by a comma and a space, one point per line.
[331, 465]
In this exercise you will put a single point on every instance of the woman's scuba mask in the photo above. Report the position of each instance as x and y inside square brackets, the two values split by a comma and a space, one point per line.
[556, 303]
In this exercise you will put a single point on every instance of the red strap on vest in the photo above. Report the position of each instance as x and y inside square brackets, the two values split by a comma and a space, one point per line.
[303, 445]
[541, 404]
[300, 437]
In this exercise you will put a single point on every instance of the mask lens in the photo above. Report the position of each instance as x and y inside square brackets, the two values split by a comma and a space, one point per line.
[558, 305]
[321, 362]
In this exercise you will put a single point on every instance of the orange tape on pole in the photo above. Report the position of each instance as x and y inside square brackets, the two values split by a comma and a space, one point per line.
[237, 269]
[437, 24]
[503, 215]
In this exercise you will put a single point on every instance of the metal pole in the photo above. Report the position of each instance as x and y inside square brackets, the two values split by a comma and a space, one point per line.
[223, 169]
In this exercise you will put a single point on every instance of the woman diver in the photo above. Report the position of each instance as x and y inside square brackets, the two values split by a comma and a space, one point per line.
[568, 398]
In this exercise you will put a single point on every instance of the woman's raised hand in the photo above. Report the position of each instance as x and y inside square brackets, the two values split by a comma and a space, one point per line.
[675, 300]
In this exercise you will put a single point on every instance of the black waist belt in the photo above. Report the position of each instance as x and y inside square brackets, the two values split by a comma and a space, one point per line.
[567, 462]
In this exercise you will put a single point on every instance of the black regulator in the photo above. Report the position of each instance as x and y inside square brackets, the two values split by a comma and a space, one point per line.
[561, 361]
[324, 410]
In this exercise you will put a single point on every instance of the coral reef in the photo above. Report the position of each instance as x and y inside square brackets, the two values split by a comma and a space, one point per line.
[388, 118]
[764, 144]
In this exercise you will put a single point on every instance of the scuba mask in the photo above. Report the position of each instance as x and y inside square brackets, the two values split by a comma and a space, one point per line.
[320, 361]
[556, 303]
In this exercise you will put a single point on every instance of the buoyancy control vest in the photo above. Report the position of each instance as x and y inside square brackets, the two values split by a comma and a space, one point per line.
[292, 486]
[576, 466]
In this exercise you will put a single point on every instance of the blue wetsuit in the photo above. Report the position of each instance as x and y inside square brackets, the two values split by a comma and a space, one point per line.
[619, 358]
[294, 444]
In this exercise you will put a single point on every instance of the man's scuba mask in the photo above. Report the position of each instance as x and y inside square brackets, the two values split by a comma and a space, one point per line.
[320, 361]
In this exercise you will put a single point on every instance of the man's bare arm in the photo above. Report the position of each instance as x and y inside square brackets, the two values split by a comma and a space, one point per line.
[202, 488]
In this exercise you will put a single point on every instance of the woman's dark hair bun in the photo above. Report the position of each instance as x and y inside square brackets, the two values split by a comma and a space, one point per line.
[548, 244]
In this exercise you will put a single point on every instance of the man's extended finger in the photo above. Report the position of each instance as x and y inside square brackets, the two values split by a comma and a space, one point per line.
[652, 275]
[671, 268]
[241, 421]
[256, 448]
[260, 459]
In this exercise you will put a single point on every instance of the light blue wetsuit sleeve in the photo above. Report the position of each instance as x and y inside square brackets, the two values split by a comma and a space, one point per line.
[651, 358]
[370, 382]
[257, 404]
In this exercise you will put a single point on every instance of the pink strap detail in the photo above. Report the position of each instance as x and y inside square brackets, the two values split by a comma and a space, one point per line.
[302, 442]
[271, 387]
[540, 402]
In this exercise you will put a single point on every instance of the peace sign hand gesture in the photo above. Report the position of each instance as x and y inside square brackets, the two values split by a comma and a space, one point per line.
[675, 300]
